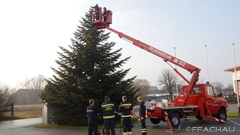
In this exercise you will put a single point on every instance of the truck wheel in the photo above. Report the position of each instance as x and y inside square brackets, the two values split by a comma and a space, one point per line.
[175, 120]
[155, 121]
[222, 115]
[199, 117]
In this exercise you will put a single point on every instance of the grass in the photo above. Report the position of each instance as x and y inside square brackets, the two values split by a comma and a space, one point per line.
[55, 126]
[25, 111]
[24, 115]
[35, 111]
[59, 126]
[232, 114]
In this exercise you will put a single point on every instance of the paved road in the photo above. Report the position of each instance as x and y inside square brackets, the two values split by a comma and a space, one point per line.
[13, 124]
[26, 127]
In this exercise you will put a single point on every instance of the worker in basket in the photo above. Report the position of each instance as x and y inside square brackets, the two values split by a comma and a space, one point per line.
[104, 14]
[96, 11]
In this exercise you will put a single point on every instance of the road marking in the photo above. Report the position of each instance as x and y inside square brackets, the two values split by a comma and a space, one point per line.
[234, 122]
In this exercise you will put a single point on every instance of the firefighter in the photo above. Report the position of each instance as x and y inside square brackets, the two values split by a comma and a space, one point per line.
[96, 10]
[142, 115]
[108, 111]
[125, 108]
[104, 14]
[92, 113]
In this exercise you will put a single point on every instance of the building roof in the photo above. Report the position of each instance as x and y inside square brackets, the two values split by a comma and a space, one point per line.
[232, 68]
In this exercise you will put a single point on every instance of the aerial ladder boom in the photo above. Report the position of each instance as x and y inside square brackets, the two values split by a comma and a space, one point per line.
[180, 100]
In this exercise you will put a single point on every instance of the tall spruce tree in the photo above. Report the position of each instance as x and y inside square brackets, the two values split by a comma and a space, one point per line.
[89, 69]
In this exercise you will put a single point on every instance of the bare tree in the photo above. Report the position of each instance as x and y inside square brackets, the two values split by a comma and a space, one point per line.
[39, 82]
[218, 85]
[167, 80]
[229, 90]
[142, 85]
[35, 83]
[7, 97]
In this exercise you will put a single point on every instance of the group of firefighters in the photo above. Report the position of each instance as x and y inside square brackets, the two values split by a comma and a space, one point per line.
[109, 111]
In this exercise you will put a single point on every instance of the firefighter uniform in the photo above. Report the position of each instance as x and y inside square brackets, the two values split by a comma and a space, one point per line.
[108, 111]
[142, 115]
[96, 11]
[104, 14]
[92, 118]
[125, 108]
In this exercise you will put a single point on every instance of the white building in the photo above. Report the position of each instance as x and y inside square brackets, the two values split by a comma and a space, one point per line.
[234, 76]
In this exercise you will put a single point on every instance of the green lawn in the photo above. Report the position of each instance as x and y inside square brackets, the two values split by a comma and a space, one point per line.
[232, 114]
[100, 126]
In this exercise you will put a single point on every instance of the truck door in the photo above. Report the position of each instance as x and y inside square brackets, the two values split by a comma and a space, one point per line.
[194, 94]
[212, 101]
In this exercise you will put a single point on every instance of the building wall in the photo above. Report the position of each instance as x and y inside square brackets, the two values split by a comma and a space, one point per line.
[238, 81]
[234, 76]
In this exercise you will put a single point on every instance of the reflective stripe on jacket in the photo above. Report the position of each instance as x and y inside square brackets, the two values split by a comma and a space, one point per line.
[108, 110]
[125, 108]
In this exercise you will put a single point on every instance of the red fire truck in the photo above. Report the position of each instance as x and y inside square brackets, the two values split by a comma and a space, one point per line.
[200, 100]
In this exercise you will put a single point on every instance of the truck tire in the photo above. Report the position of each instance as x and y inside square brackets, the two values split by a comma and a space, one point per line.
[222, 115]
[175, 120]
[155, 121]
[199, 117]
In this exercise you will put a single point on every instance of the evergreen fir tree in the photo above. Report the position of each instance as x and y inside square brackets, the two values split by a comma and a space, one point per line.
[90, 69]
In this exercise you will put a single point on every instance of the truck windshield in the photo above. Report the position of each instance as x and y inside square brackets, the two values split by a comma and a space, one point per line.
[196, 90]
[212, 91]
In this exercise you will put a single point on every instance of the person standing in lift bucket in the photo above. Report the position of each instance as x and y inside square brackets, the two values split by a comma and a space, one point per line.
[104, 14]
[142, 115]
[125, 108]
[92, 113]
[108, 111]
[96, 10]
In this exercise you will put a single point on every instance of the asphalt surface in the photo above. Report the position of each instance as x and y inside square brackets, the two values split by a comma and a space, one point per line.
[191, 127]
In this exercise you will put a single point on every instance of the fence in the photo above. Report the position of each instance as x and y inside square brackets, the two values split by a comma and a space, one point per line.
[8, 108]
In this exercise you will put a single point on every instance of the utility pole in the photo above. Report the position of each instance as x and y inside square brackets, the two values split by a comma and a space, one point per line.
[176, 78]
[235, 70]
[206, 59]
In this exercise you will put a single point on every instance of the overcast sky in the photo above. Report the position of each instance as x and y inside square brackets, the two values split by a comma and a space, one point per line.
[32, 30]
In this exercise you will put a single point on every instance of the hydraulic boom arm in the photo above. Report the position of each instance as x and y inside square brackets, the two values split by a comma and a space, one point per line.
[180, 100]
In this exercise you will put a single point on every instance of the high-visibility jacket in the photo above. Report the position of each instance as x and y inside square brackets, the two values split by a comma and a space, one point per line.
[125, 108]
[108, 110]
[104, 13]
